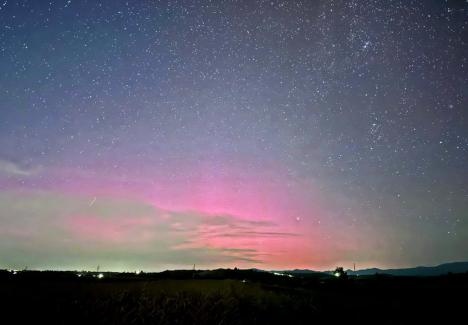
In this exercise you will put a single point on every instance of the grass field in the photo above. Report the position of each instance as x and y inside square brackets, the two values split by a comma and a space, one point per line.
[377, 300]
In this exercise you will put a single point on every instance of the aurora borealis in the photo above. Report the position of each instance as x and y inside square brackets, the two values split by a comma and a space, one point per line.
[271, 134]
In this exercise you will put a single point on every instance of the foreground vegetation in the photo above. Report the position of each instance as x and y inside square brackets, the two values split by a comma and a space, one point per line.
[229, 297]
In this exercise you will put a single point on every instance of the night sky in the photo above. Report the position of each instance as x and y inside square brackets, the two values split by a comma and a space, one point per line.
[272, 134]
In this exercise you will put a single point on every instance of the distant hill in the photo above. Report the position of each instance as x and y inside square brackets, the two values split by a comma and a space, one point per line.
[442, 269]
[455, 267]
[297, 271]
[302, 273]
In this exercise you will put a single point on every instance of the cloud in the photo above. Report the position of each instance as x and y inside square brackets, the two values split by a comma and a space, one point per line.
[10, 168]
[260, 234]
[196, 221]
[45, 229]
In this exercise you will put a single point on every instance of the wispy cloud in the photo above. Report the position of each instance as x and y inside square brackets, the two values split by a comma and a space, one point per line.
[10, 168]
[259, 234]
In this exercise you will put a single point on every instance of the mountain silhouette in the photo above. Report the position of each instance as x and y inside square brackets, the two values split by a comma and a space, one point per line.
[442, 269]
[454, 267]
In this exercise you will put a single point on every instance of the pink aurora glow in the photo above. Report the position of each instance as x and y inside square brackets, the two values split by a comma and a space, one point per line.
[270, 217]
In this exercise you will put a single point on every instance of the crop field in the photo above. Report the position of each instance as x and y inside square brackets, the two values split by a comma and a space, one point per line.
[233, 301]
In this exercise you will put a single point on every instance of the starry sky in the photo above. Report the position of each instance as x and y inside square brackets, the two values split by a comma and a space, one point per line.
[272, 134]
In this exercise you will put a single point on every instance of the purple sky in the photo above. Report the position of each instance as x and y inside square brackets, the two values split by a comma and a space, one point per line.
[297, 134]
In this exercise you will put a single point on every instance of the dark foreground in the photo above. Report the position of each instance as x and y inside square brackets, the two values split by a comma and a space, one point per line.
[241, 297]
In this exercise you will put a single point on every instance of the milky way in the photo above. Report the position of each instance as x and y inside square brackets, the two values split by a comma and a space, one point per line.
[270, 134]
